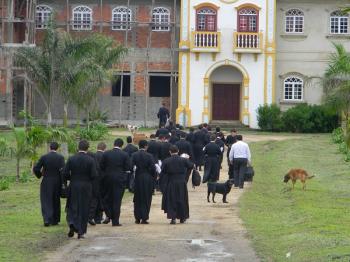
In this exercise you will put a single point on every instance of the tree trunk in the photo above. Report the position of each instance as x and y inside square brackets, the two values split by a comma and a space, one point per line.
[78, 118]
[17, 169]
[49, 116]
[65, 115]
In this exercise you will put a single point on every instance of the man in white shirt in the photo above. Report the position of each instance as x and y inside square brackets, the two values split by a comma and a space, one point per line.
[240, 156]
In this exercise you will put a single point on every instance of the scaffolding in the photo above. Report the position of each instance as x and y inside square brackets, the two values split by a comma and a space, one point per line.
[20, 14]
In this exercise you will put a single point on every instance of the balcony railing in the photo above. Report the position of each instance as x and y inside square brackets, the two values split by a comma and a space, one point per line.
[248, 42]
[205, 41]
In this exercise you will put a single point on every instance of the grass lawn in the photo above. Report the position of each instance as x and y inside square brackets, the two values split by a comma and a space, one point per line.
[313, 225]
[22, 234]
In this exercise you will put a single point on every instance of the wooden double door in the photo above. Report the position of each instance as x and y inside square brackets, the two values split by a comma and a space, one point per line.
[226, 102]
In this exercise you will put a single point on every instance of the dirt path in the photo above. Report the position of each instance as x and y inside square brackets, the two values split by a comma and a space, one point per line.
[214, 232]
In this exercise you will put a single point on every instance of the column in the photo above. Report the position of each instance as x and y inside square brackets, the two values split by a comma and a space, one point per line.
[245, 114]
[205, 114]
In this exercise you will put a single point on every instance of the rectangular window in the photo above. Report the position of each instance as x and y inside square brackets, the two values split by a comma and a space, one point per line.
[159, 86]
[117, 85]
[339, 25]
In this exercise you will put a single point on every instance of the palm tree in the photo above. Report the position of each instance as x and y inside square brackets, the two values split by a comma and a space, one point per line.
[337, 81]
[42, 65]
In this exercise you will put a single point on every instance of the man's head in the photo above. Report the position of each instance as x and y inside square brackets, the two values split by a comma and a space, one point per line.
[183, 135]
[162, 137]
[129, 140]
[83, 145]
[143, 144]
[191, 129]
[101, 146]
[163, 104]
[239, 137]
[54, 146]
[205, 125]
[200, 126]
[217, 129]
[118, 142]
[212, 138]
[174, 150]
[233, 132]
[153, 136]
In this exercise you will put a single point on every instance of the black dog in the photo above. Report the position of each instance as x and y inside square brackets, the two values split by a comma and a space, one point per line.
[221, 188]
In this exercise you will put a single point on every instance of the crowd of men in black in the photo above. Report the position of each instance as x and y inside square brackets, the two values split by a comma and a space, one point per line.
[97, 181]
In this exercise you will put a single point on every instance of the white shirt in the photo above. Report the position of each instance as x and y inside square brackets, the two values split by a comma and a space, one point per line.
[240, 149]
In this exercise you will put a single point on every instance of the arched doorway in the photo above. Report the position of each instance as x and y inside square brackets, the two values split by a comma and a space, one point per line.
[226, 94]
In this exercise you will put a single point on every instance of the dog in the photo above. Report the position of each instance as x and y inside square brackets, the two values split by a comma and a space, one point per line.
[132, 128]
[295, 174]
[220, 188]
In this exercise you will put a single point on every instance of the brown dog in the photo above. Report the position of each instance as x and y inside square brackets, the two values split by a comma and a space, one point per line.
[295, 174]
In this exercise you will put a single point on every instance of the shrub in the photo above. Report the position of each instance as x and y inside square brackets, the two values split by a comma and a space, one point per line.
[305, 118]
[269, 118]
[25, 177]
[95, 132]
[4, 184]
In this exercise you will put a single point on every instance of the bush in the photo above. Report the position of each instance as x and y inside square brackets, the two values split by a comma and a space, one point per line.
[269, 118]
[25, 177]
[95, 132]
[4, 183]
[338, 135]
[305, 118]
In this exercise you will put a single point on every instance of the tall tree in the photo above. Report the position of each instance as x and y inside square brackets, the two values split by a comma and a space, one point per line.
[42, 65]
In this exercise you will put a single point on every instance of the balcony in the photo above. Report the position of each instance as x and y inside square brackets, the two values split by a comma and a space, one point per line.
[205, 42]
[248, 42]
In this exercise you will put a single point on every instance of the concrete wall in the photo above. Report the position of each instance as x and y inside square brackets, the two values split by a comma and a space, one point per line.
[307, 54]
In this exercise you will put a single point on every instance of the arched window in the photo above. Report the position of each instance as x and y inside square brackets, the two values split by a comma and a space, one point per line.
[293, 88]
[294, 21]
[82, 18]
[161, 19]
[43, 16]
[121, 18]
[339, 23]
[206, 19]
[248, 19]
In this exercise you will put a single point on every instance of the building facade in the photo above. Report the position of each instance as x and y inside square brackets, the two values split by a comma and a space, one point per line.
[210, 61]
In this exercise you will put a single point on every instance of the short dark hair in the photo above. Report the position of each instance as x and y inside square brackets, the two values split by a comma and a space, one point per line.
[217, 129]
[200, 126]
[173, 149]
[153, 136]
[101, 146]
[162, 137]
[54, 146]
[233, 130]
[239, 137]
[205, 125]
[129, 139]
[212, 137]
[143, 144]
[183, 135]
[119, 142]
[83, 145]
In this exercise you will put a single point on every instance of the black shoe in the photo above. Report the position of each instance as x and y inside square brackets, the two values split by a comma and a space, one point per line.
[98, 222]
[106, 221]
[71, 232]
[81, 236]
[46, 224]
[116, 225]
[144, 222]
[92, 222]
[137, 221]
[182, 221]
[173, 222]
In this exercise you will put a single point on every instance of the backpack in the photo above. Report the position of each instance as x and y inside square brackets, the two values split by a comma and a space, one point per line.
[196, 178]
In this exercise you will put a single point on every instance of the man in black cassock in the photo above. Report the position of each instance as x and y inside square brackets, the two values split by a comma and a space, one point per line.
[130, 148]
[212, 154]
[173, 137]
[184, 146]
[230, 140]
[153, 148]
[115, 163]
[163, 115]
[96, 206]
[200, 140]
[80, 170]
[49, 167]
[175, 194]
[221, 144]
[164, 152]
[162, 131]
[145, 173]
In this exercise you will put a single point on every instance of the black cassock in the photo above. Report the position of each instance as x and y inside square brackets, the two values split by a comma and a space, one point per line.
[175, 194]
[212, 154]
[164, 151]
[154, 149]
[200, 139]
[221, 144]
[163, 115]
[115, 163]
[144, 183]
[80, 170]
[48, 167]
[184, 147]
[130, 149]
